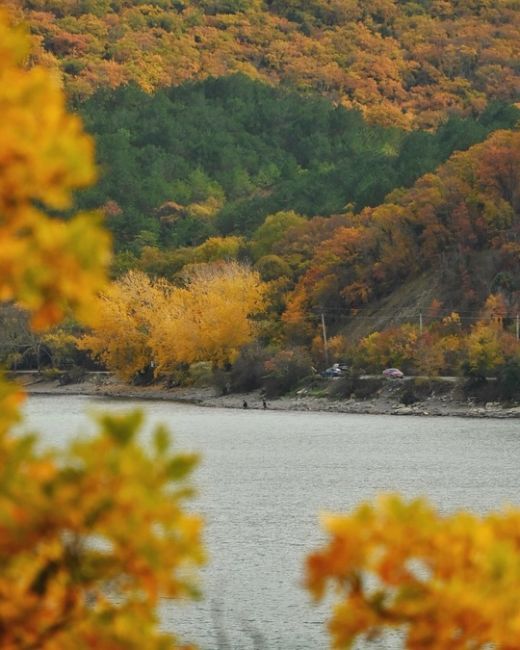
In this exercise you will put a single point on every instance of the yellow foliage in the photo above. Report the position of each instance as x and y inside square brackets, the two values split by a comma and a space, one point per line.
[46, 264]
[447, 581]
[210, 319]
[61, 345]
[11, 397]
[390, 348]
[336, 345]
[495, 308]
[218, 248]
[91, 538]
[484, 347]
[144, 323]
[126, 311]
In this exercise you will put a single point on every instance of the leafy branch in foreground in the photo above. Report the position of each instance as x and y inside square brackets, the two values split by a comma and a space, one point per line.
[448, 581]
[92, 537]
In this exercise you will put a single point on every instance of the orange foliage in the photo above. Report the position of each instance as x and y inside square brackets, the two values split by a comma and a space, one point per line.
[401, 63]
[446, 581]
[470, 205]
[89, 538]
[46, 264]
[443, 347]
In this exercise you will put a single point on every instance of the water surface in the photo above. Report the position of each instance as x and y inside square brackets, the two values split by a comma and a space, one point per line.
[264, 478]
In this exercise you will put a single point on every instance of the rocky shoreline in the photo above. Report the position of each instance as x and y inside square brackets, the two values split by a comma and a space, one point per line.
[385, 403]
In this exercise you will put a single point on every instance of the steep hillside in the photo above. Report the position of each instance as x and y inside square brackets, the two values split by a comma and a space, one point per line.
[462, 223]
[404, 62]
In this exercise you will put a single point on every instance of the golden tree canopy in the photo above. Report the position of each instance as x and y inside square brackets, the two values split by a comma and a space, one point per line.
[211, 318]
[208, 319]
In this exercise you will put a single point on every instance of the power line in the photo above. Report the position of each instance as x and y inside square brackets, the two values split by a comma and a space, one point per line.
[435, 313]
[413, 316]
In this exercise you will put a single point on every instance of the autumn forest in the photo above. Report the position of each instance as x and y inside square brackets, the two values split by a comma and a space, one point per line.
[236, 194]
[347, 153]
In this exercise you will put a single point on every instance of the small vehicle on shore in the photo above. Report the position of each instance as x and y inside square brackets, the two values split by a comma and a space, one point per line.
[393, 373]
[334, 371]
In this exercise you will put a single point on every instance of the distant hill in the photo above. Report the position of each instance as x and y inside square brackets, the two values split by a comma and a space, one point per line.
[362, 154]
[410, 63]
[216, 157]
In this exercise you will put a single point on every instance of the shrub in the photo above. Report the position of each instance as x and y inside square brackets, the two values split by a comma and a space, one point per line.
[248, 370]
[481, 389]
[344, 386]
[221, 380]
[75, 375]
[285, 370]
[508, 384]
[417, 389]
[50, 374]
[408, 396]
[368, 387]
[200, 374]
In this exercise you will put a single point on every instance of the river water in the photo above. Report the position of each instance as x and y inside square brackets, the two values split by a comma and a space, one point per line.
[264, 478]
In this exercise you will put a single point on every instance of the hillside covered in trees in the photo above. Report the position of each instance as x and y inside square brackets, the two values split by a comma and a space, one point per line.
[402, 62]
[347, 151]
[463, 221]
[217, 157]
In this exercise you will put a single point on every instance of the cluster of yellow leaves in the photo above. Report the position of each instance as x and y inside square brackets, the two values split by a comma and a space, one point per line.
[91, 540]
[447, 581]
[392, 347]
[11, 397]
[61, 346]
[487, 347]
[46, 264]
[127, 309]
[209, 319]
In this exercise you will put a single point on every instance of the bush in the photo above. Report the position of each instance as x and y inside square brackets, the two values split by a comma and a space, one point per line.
[221, 381]
[248, 370]
[344, 386]
[481, 389]
[178, 377]
[285, 370]
[51, 374]
[368, 387]
[418, 389]
[408, 396]
[508, 384]
[74, 375]
[200, 374]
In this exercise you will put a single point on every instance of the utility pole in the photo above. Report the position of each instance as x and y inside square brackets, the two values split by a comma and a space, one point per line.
[420, 323]
[518, 327]
[325, 342]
